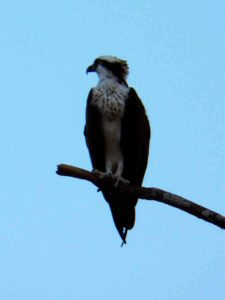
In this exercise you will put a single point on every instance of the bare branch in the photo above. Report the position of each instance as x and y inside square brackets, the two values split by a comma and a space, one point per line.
[148, 194]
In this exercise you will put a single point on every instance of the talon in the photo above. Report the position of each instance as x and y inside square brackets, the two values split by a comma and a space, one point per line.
[119, 179]
[102, 174]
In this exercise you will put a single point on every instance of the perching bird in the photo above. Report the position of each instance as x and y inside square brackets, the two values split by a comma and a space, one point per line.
[117, 134]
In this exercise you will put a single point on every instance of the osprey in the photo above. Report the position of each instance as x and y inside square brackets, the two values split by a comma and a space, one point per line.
[117, 134]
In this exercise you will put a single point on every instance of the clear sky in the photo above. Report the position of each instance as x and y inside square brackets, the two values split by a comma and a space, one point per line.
[57, 237]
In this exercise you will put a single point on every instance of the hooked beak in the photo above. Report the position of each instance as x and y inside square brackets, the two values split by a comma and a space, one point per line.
[91, 69]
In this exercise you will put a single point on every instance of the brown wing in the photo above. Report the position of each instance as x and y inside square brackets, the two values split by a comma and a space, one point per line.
[94, 135]
[135, 139]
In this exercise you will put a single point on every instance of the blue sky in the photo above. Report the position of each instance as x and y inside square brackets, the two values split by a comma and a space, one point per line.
[57, 236]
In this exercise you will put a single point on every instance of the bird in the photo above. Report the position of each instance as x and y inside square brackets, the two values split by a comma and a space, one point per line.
[117, 134]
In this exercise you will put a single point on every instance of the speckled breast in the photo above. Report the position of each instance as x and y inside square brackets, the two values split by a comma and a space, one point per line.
[111, 101]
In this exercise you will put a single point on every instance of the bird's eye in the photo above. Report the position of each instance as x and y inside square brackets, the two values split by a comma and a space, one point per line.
[105, 64]
[96, 62]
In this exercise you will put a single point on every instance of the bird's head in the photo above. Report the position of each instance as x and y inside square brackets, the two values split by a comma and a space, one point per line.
[109, 66]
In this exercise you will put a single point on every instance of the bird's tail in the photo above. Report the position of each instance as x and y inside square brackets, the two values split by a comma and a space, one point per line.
[123, 213]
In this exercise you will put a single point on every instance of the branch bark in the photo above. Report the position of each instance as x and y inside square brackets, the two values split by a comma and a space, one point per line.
[148, 194]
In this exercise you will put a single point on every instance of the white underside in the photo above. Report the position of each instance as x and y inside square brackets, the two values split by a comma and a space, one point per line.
[114, 156]
[110, 97]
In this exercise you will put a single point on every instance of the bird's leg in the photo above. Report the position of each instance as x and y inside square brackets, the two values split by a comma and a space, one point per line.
[120, 179]
[107, 173]
[118, 175]
[102, 174]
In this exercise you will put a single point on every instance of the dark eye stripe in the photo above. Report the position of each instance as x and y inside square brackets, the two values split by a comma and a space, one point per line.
[102, 62]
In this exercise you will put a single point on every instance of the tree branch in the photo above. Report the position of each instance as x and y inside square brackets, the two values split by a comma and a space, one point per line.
[147, 194]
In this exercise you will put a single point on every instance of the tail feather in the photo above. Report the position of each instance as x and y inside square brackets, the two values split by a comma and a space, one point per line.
[123, 213]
